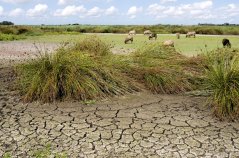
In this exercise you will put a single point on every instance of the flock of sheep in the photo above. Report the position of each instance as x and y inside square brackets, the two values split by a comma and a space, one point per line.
[151, 35]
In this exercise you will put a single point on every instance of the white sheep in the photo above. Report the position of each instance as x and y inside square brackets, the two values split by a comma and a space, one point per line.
[132, 32]
[128, 38]
[147, 32]
[168, 43]
[189, 34]
[178, 35]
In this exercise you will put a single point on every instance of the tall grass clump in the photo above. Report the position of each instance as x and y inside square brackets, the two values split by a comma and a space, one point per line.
[92, 45]
[159, 68]
[69, 74]
[223, 80]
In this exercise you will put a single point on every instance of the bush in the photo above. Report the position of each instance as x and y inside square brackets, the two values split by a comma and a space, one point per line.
[8, 30]
[223, 80]
[24, 30]
[6, 23]
[6, 37]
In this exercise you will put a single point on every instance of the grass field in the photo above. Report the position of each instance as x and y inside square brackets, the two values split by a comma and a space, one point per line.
[186, 46]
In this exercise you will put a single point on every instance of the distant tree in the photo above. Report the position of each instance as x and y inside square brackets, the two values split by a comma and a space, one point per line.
[6, 23]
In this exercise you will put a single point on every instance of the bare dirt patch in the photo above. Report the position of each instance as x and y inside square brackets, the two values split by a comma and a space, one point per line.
[22, 50]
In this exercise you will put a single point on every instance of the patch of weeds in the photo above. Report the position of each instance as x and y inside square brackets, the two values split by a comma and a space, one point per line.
[89, 102]
[7, 155]
[47, 152]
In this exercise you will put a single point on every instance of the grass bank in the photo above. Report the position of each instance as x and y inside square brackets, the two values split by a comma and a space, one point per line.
[87, 70]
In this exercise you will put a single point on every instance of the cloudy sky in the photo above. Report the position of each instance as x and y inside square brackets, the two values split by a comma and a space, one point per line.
[119, 11]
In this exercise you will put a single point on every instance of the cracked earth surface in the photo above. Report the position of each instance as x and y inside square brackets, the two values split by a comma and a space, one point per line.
[138, 125]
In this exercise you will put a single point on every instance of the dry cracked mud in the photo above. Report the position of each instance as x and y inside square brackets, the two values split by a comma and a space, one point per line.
[137, 125]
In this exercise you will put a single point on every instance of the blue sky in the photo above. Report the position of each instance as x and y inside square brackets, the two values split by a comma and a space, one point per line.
[119, 11]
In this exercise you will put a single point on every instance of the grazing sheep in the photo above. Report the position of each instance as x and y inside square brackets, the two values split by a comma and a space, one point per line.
[178, 35]
[128, 38]
[168, 43]
[153, 35]
[132, 32]
[189, 34]
[147, 32]
[226, 43]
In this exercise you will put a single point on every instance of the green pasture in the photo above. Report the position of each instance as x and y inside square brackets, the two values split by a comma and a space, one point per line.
[186, 46]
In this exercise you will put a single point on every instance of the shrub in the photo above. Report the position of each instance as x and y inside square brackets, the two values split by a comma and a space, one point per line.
[10, 37]
[223, 80]
[8, 30]
[24, 29]
[6, 23]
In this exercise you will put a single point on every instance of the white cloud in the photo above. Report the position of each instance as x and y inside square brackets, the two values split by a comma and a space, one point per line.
[206, 16]
[167, 1]
[195, 10]
[133, 11]
[94, 12]
[16, 1]
[156, 10]
[82, 12]
[1, 10]
[70, 10]
[111, 11]
[231, 10]
[202, 5]
[231, 6]
[16, 12]
[64, 2]
[173, 11]
[38, 10]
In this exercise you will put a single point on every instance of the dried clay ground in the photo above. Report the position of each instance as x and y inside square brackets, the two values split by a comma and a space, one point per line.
[136, 125]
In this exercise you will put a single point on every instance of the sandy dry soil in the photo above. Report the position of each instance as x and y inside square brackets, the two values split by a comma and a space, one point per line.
[22, 50]
[137, 125]
[18, 50]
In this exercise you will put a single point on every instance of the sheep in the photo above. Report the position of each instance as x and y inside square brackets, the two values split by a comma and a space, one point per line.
[132, 32]
[189, 34]
[178, 35]
[128, 38]
[168, 43]
[153, 35]
[226, 43]
[147, 32]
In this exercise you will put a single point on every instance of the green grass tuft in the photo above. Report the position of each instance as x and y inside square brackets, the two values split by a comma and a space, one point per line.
[161, 69]
[92, 45]
[69, 75]
[223, 80]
